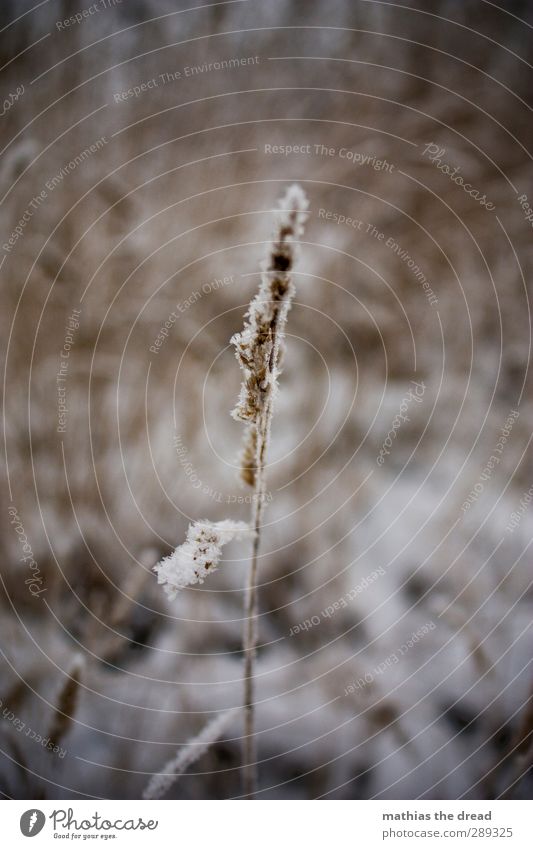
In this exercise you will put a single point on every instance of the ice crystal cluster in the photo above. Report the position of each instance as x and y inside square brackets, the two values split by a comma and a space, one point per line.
[199, 555]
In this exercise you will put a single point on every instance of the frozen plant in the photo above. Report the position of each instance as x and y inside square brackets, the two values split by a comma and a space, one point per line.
[161, 782]
[258, 348]
[199, 555]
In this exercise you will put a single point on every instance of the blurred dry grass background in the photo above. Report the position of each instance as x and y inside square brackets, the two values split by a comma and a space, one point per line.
[181, 194]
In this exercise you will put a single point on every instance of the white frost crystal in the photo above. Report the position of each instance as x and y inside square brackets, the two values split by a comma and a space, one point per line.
[191, 562]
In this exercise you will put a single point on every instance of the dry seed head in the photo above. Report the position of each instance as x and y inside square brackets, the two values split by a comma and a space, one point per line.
[258, 345]
[67, 702]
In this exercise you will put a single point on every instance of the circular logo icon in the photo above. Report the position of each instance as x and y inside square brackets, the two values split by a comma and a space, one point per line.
[32, 822]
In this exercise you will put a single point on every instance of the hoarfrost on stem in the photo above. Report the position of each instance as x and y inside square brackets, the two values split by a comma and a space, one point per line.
[199, 555]
[257, 345]
[161, 782]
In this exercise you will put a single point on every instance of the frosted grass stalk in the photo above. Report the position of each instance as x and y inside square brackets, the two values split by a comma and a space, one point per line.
[161, 782]
[258, 348]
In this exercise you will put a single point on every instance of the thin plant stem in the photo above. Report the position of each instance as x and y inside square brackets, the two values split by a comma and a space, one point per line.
[250, 620]
[250, 642]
